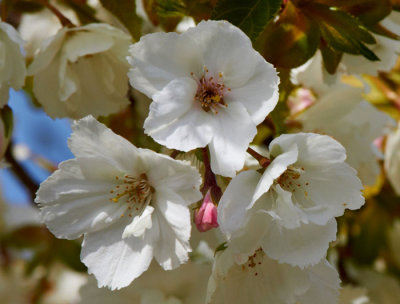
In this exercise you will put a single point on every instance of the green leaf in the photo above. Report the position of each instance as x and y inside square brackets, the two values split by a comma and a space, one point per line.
[341, 31]
[125, 11]
[331, 58]
[171, 8]
[251, 16]
[369, 12]
[298, 39]
[221, 247]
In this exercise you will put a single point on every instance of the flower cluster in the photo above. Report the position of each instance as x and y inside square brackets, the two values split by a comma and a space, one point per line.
[253, 167]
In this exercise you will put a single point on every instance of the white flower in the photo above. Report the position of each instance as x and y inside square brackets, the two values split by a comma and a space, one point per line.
[81, 71]
[342, 113]
[12, 62]
[39, 26]
[129, 203]
[209, 87]
[290, 209]
[185, 285]
[313, 75]
[262, 280]
[392, 159]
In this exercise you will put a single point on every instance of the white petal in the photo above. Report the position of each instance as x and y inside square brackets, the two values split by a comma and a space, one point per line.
[173, 220]
[233, 216]
[330, 191]
[139, 224]
[90, 86]
[265, 281]
[234, 130]
[303, 246]
[89, 134]
[48, 51]
[392, 159]
[71, 205]
[165, 173]
[81, 43]
[176, 120]
[226, 49]
[49, 93]
[114, 261]
[288, 214]
[277, 167]
[260, 94]
[12, 67]
[324, 287]
[313, 148]
[159, 58]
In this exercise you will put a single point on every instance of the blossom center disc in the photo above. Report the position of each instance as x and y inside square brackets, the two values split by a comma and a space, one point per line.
[135, 191]
[210, 91]
[290, 179]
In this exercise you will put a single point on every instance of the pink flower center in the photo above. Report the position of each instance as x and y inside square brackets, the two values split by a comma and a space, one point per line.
[210, 91]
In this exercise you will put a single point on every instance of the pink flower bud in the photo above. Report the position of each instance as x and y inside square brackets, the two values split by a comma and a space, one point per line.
[205, 218]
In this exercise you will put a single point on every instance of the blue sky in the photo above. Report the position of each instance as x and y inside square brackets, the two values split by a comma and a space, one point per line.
[43, 135]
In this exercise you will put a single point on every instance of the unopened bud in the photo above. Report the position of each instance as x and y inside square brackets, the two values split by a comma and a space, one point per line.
[205, 217]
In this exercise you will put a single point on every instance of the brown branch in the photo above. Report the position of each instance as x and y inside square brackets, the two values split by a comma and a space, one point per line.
[174, 154]
[3, 5]
[63, 20]
[19, 171]
[264, 161]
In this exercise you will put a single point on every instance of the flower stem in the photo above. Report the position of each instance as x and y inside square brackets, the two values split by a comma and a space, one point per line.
[264, 161]
[210, 182]
[63, 20]
[3, 5]
[174, 154]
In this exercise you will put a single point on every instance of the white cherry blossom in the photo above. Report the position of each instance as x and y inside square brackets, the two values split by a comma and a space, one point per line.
[12, 67]
[289, 210]
[209, 87]
[129, 203]
[392, 159]
[342, 112]
[260, 280]
[185, 285]
[82, 71]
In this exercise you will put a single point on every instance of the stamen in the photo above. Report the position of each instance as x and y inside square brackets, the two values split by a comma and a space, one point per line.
[136, 191]
[290, 179]
[210, 91]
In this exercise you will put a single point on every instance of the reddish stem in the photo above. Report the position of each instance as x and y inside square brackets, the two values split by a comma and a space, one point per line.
[63, 20]
[264, 161]
[210, 182]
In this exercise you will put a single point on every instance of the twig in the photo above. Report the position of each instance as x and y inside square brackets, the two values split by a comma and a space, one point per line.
[21, 174]
[174, 154]
[63, 20]
[3, 5]
[264, 162]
